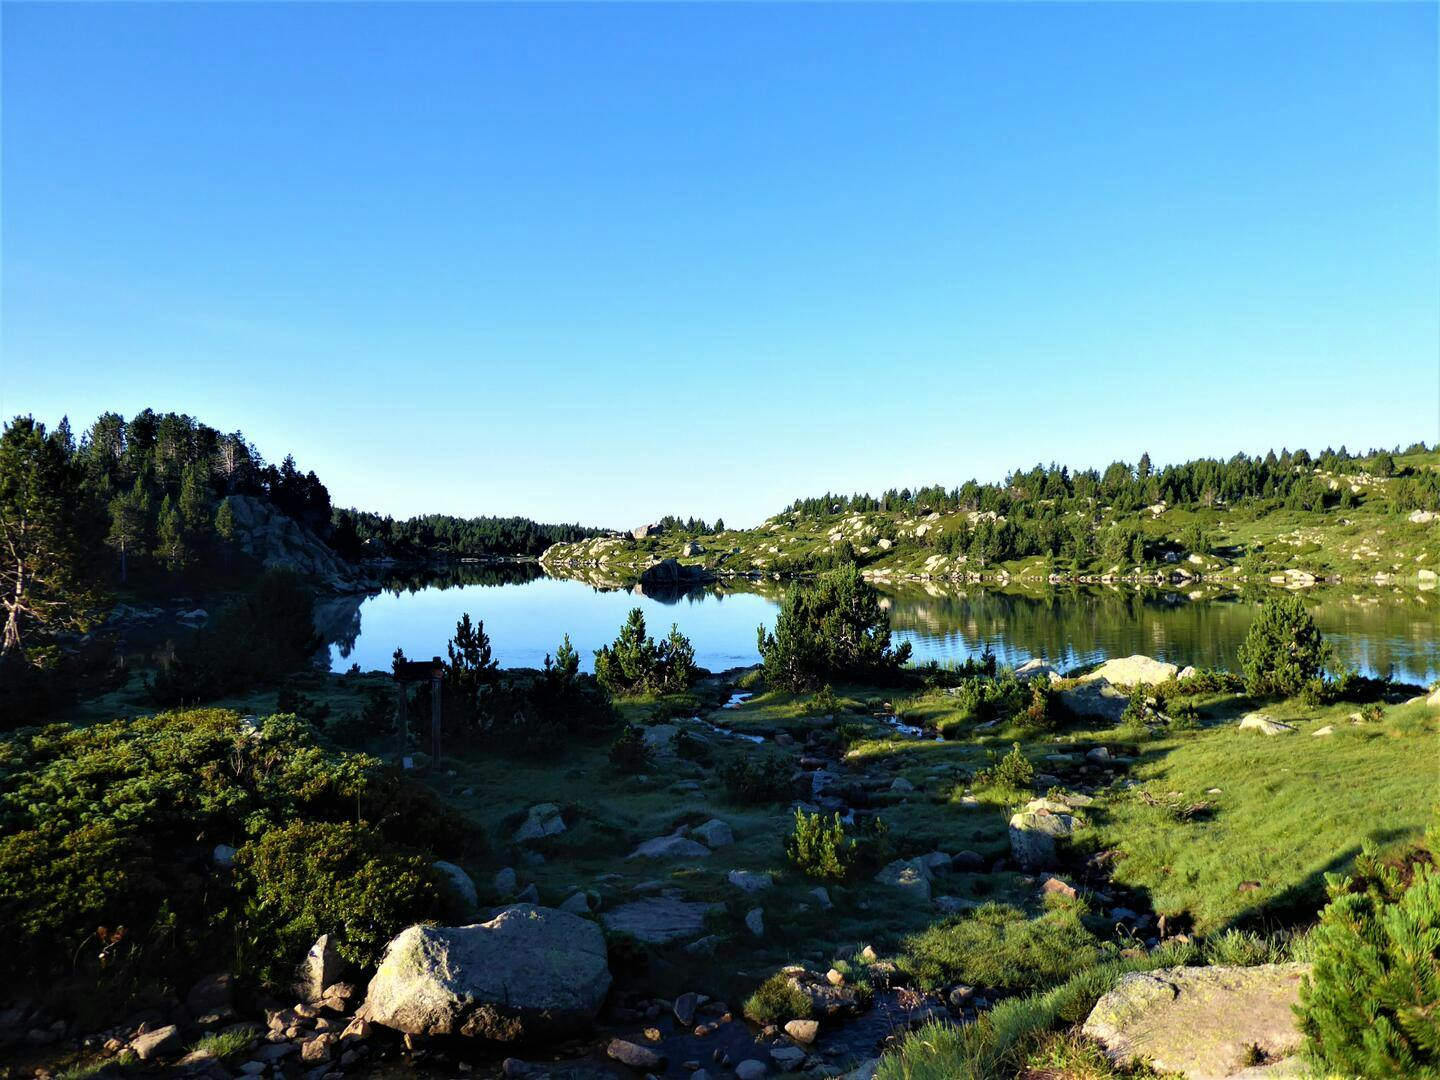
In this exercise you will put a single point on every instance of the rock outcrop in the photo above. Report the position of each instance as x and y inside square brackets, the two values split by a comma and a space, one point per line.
[280, 542]
[1036, 829]
[528, 972]
[1205, 1023]
[1095, 698]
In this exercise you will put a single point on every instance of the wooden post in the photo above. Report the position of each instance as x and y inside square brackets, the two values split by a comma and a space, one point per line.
[436, 687]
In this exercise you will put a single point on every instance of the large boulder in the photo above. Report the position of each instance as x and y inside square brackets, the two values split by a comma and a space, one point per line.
[674, 846]
[1133, 670]
[659, 920]
[461, 885]
[322, 966]
[542, 821]
[1095, 698]
[1036, 830]
[1204, 1023]
[674, 572]
[911, 876]
[530, 971]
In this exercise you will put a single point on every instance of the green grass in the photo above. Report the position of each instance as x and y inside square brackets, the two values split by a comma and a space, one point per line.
[224, 1045]
[999, 947]
[1289, 809]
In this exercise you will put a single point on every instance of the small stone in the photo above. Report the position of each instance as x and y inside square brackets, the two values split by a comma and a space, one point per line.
[749, 881]
[803, 1031]
[755, 921]
[684, 1008]
[634, 1055]
[1054, 886]
[506, 881]
[822, 897]
[834, 977]
[788, 1058]
[158, 1043]
[751, 1069]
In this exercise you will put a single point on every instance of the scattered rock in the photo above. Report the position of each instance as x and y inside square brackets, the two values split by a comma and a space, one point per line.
[322, 966]
[657, 920]
[803, 1031]
[714, 833]
[1326, 730]
[673, 846]
[749, 881]
[910, 875]
[162, 1042]
[1095, 698]
[788, 1058]
[967, 861]
[576, 904]
[1200, 1021]
[751, 1069]
[1054, 886]
[506, 881]
[1035, 668]
[900, 784]
[1264, 724]
[1035, 831]
[528, 971]
[755, 921]
[460, 884]
[542, 821]
[634, 1055]
[822, 897]
[684, 1008]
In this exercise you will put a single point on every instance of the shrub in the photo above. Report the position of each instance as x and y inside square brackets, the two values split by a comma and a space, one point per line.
[1283, 649]
[689, 747]
[635, 663]
[1039, 714]
[830, 630]
[1137, 709]
[777, 1000]
[825, 703]
[628, 752]
[981, 698]
[1369, 1006]
[758, 779]
[312, 878]
[113, 825]
[1012, 771]
[819, 848]
[997, 946]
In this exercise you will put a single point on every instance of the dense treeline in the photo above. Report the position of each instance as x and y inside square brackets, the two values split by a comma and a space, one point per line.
[1082, 516]
[357, 533]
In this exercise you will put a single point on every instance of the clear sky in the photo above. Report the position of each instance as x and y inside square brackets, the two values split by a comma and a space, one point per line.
[609, 262]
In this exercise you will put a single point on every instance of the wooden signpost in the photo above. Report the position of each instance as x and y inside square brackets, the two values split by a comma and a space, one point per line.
[417, 671]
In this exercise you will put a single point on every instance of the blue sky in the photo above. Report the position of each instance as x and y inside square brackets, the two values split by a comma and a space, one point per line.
[609, 262]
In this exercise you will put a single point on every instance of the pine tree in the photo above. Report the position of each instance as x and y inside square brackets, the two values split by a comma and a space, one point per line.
[1283, 649]
[170, 536]
[129, 518]
[1369, 1006]
[43, 581]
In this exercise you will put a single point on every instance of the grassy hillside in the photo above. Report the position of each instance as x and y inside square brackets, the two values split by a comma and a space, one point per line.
[1370, 538]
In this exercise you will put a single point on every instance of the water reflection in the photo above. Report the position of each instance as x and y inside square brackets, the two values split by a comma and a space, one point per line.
[526, 613]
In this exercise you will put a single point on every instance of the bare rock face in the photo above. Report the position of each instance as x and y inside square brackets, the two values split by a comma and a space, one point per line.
[278, 541]
[1205, 1023]
[528, 972]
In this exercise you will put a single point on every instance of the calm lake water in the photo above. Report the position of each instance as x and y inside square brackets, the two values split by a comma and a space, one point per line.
[526, 613]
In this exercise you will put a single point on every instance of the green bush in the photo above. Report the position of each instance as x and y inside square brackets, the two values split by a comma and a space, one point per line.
[758, 779]
[819, 848]
[313, 878]
[998, 946]
[1371, 1006]
[1283, 649]
[628, 752]
[830, 630]
[1013, 771]
[113, 826]
[635, 663]
[776, 1001]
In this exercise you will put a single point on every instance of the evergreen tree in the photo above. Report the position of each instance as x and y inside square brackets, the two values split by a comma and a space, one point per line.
[170, 536]
[129, 522]
[1283, 649]
[44, 585]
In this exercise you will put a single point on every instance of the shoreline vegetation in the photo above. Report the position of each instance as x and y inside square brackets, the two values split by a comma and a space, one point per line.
[838, 862]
